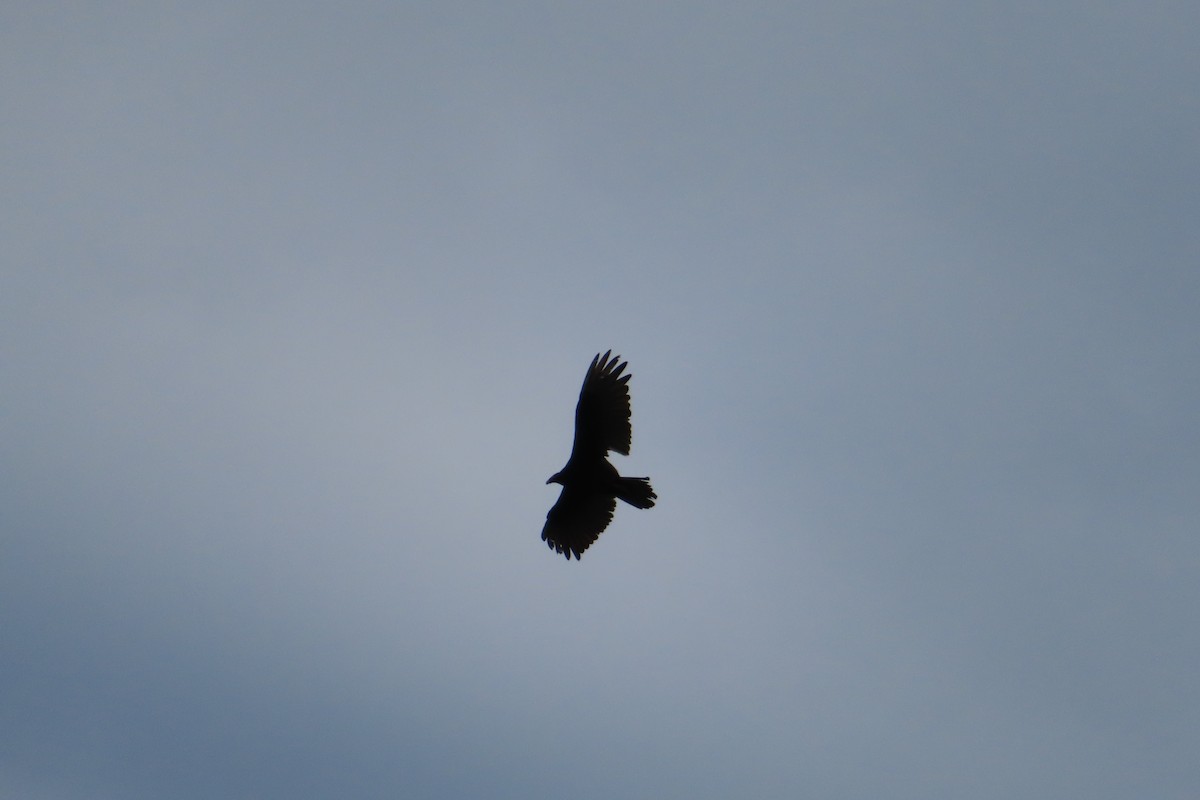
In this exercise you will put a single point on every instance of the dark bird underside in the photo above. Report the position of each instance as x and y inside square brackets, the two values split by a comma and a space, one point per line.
[591, 485]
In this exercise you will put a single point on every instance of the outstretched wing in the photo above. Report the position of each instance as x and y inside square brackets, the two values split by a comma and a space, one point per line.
[602, 414]
[576, 520]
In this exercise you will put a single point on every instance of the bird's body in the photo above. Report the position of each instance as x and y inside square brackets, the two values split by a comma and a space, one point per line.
[591, 485]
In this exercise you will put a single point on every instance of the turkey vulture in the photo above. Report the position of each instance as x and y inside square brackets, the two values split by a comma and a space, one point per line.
[590, 484]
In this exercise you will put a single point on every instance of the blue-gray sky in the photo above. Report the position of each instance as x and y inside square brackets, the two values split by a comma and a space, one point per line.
[296, 302]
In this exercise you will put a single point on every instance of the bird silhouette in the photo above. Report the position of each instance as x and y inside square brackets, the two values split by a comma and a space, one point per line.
[591, 485]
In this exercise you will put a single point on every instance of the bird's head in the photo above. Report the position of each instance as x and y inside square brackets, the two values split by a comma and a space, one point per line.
[555, 478]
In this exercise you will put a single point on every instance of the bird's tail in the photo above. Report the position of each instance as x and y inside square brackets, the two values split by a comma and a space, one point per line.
[636, 492]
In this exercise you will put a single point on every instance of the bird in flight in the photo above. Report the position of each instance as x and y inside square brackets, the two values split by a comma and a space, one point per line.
[591, 485]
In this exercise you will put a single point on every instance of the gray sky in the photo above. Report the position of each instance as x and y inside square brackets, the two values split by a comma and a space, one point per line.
[297, 299]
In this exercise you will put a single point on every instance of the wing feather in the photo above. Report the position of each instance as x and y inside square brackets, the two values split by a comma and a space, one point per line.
[577, 520]
[602, 414]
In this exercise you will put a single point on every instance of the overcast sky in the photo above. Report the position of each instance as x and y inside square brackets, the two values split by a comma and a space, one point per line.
[297, 298]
